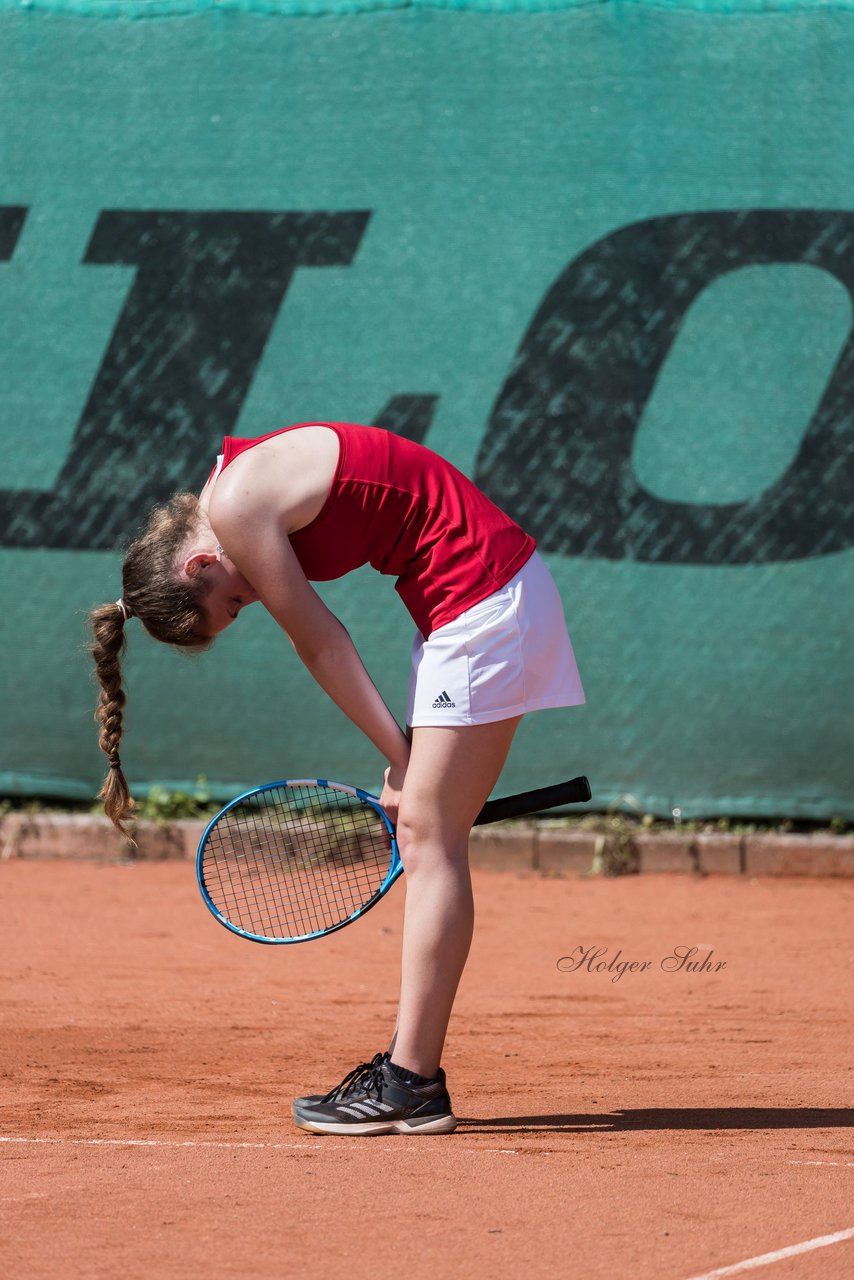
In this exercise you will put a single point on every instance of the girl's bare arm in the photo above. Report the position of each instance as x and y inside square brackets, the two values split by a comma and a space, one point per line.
[254, 537]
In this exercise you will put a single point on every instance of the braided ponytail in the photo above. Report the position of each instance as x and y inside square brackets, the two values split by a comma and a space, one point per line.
[170, 609]
[107, 647]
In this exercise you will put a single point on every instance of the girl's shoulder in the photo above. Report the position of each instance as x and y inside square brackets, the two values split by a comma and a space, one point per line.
[286, 476]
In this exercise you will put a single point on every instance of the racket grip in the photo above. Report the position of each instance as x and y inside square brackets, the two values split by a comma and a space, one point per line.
[576, 791]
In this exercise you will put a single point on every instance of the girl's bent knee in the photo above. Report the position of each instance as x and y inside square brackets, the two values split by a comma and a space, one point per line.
[422, 846]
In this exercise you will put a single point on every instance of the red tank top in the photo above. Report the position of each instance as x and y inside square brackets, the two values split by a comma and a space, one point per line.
[406, 511]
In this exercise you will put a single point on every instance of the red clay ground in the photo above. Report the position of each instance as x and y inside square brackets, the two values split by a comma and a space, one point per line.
[652, 1128]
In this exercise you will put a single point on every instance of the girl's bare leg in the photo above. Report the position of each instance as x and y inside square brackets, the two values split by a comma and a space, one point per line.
[450, 775]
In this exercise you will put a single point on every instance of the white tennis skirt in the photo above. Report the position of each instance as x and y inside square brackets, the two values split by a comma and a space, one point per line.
[506, 656]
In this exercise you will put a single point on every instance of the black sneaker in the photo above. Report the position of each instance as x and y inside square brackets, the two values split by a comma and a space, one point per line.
[370, 1100]
[351, 1079]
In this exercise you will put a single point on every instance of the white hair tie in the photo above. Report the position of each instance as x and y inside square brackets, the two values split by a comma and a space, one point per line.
[125, 611]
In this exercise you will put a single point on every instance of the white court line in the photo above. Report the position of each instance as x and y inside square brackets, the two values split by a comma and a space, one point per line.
[764, 1259]
[252, 1146]
[836, 1164]
[155, 1142]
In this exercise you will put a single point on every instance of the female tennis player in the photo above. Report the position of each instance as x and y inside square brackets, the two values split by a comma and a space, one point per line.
[310, 503]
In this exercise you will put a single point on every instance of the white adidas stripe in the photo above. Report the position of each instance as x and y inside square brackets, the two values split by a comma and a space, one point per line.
[370, 1108]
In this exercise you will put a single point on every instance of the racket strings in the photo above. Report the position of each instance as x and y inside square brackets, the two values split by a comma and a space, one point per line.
[296, 860]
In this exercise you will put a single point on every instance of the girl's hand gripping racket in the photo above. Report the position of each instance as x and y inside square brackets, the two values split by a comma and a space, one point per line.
[296, 860]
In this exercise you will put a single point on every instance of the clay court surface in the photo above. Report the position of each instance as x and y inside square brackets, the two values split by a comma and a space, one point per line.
[659, 1126]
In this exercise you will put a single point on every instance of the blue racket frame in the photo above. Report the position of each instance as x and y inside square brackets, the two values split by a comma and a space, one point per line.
[574, 791]
[394, 873]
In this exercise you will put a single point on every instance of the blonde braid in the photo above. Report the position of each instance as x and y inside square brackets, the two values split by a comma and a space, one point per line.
[169, 608]
[107, 646]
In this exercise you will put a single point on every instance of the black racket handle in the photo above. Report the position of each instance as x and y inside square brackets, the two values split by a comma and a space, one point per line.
[576, 791]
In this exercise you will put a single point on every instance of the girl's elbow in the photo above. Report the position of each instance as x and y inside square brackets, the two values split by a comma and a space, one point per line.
[322, 653]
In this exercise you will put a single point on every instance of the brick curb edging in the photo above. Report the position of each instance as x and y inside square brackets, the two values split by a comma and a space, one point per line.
[556, 852]
[528, 846]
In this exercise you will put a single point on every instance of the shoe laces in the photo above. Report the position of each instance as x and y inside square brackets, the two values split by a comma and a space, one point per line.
[367, 1077]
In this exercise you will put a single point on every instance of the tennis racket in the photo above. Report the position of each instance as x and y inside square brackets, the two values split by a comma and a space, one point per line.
[297, 860]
